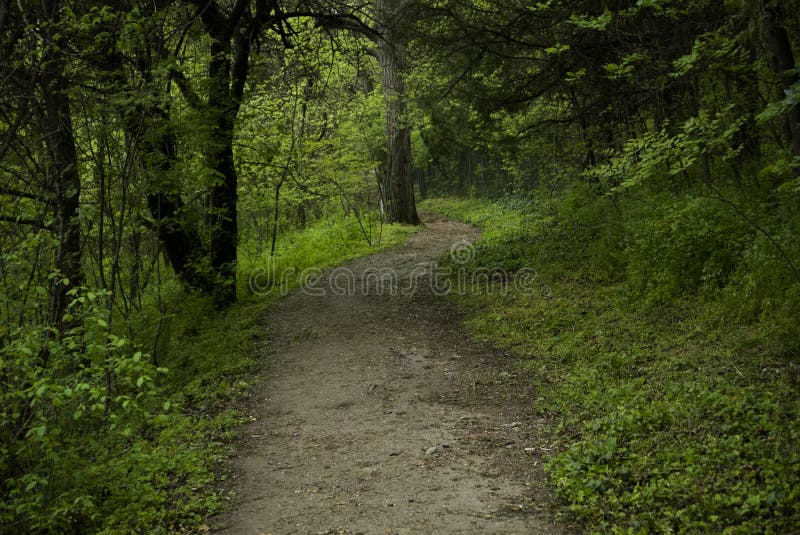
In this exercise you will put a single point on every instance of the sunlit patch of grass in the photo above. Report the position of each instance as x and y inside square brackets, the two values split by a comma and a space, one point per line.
[326, 243]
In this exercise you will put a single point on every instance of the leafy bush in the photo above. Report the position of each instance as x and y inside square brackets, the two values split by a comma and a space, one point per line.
[682, 246]
[85, 396]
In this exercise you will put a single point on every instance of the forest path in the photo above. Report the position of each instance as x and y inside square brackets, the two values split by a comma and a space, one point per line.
[378, 414]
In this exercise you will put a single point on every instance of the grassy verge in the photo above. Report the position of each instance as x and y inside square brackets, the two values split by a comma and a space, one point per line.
[163, 481]
[669, 418]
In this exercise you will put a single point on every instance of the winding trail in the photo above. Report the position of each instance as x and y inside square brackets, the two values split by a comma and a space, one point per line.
[378, 414]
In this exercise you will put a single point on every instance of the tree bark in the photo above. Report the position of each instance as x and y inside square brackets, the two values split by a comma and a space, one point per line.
[783, 65]
[399, 184]
[227, 73]
[64, 176]
[219, 158]
[182, 244]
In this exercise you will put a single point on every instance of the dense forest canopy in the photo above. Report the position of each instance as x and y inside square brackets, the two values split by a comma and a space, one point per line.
[155, 150]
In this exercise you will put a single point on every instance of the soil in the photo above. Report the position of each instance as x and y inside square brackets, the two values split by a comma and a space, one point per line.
[377, 413]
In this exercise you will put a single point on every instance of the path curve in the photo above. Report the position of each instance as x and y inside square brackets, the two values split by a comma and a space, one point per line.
[379, 415]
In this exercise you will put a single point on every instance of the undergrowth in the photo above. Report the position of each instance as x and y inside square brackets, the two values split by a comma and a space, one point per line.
[132, 437]
[675, 405]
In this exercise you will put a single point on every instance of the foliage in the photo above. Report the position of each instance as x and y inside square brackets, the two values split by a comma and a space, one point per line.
[156, 155]
[309, 138]
[103, 439]
[153, 155]
[88, 396]
[675, 414]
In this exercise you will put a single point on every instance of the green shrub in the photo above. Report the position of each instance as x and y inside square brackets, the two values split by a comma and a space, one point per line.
[683, 246]
[86, 396]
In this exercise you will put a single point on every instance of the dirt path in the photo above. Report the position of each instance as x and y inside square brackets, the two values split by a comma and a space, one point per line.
[378, 415]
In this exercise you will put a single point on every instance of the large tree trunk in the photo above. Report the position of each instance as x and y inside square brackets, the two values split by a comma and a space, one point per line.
[158, 154]
[65, 180]
[223, 195]
[227, 73]
[181, 241]
[399, 183]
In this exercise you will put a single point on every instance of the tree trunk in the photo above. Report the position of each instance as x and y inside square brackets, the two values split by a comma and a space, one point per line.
[227, 73]
[158, 153]
[65, 180]
[401, 205]
[226, 83]
[783, 65]
[181, 242]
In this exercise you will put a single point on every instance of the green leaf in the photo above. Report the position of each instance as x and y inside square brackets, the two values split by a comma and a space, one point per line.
[37, 431]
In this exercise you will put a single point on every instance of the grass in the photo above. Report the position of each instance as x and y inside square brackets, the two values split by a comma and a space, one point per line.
[173, 474]
[668, 419]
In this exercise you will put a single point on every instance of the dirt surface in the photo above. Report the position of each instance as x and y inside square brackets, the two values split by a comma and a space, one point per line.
[378, 414]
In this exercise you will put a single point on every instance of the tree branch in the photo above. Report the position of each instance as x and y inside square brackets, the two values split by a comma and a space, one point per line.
[13, 128]
[346, 21]
[38, 223]
[216, 24]
[188, 93]
[23, 194]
